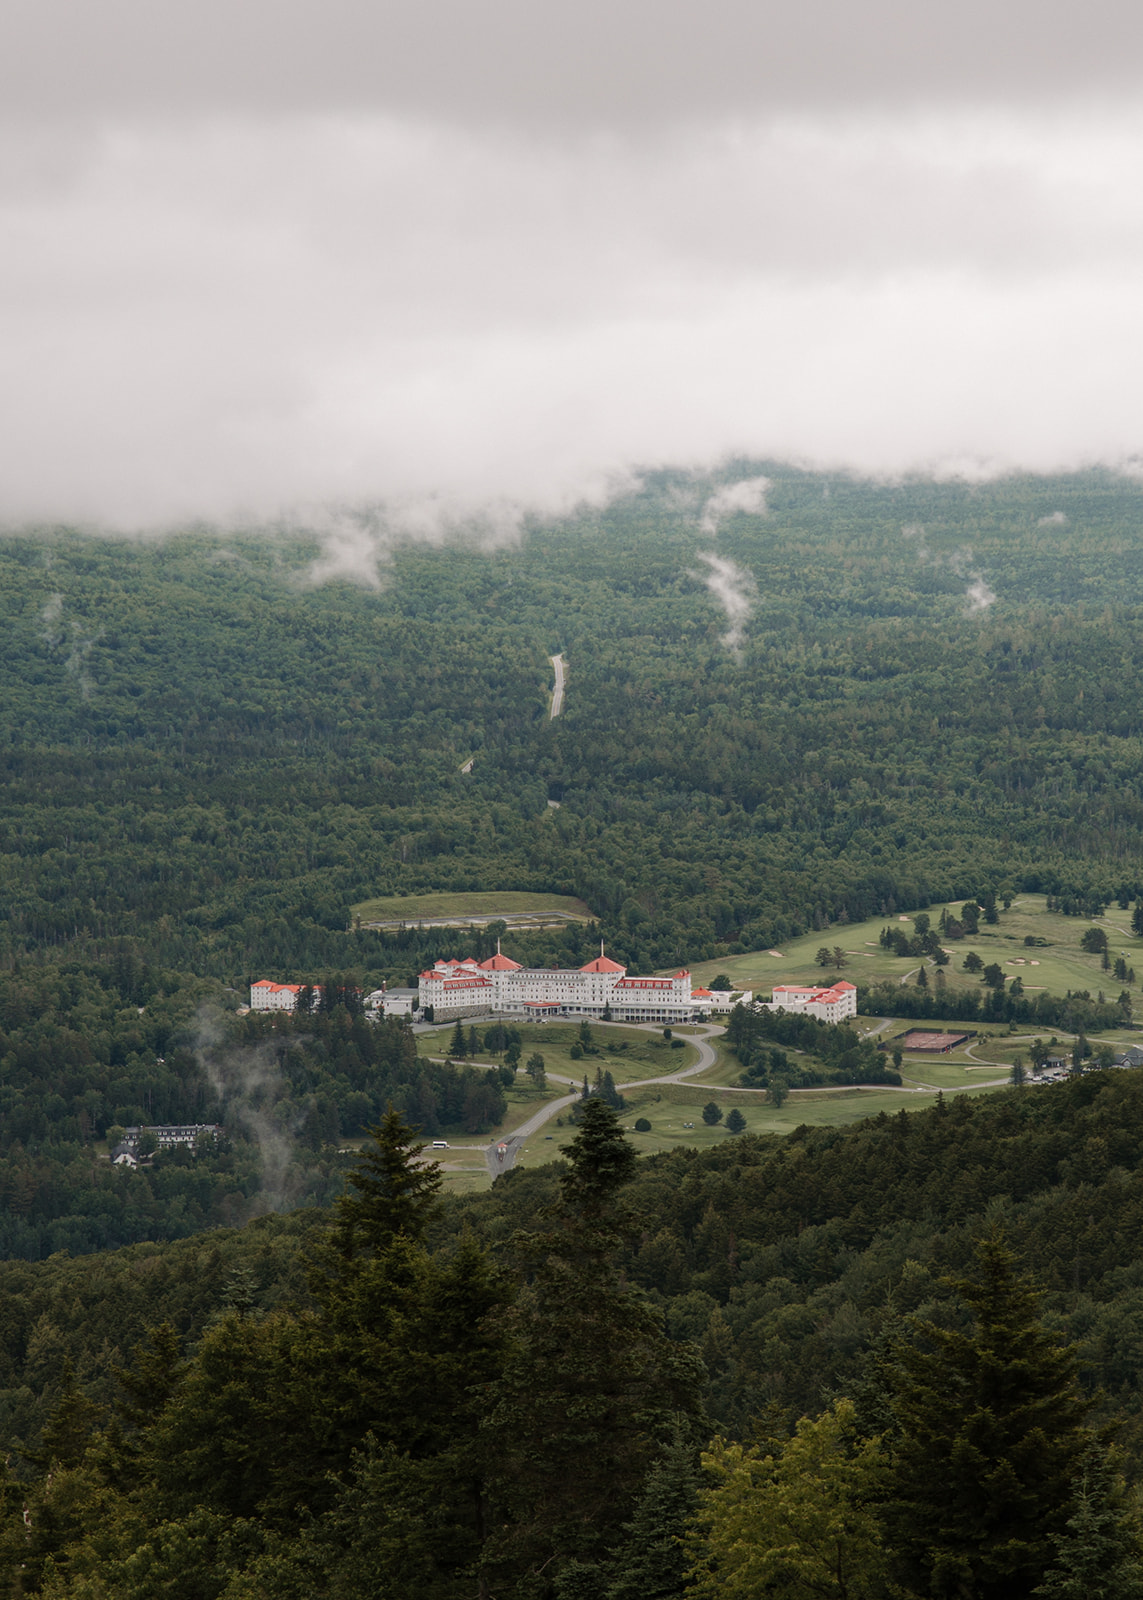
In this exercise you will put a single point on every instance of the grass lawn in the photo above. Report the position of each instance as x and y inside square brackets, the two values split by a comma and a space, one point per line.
[627, 1053]
[727, 1067]
[510, 903]
[1057, 966]
[675, 1115]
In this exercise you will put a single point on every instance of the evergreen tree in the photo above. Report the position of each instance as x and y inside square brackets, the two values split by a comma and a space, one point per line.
[391, 1190]
[652, 1562]
[1098, 1556]
[591, 1384]
[458, 1044]
[990, 1434]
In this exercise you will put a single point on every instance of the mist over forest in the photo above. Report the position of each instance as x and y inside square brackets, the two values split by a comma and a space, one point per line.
[285, 1362]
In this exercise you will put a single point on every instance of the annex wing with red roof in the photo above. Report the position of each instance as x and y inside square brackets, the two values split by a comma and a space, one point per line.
[268, 996]
[828, 1004]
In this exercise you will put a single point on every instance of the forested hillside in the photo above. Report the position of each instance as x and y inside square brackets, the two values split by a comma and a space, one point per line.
[507, 1395]
[209, 755]
[209, 758]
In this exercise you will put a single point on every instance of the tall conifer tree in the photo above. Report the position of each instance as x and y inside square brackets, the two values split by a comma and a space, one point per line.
[990, 1435]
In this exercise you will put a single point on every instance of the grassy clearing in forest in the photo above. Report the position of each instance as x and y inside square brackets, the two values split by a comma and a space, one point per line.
[509, 905]
[1057, 966]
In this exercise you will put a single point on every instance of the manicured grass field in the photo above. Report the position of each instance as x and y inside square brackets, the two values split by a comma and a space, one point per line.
[676, 1107]
[509, 903]
[727, 1067]
[1056, 967]
[644, 1054]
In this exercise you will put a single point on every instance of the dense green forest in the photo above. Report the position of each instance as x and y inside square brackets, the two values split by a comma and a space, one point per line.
[207, 755]
[275, 1369]
[208, 759]
[913, 1342]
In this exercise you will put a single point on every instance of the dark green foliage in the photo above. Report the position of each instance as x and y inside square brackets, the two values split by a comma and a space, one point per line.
[389, 1191]
[735, 1121]
[600, 1160]
[844, 1056]
[567, 1454]
[248, 757]
[650, 1563]
[711, 1114]
[1099, 1555]
[988, 1440]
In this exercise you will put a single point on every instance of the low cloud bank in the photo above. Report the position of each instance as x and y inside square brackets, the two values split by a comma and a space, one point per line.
[236, 320]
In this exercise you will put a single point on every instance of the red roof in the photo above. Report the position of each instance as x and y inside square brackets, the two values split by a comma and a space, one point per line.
[683, 972]
[817, 996]
[499, 963]
[705, 993]
[603, 964]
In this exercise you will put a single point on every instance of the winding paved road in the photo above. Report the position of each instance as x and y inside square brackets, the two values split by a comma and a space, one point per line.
[558, 691]
[501, 1156]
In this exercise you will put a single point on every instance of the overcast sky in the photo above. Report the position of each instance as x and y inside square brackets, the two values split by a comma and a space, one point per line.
[265, 257]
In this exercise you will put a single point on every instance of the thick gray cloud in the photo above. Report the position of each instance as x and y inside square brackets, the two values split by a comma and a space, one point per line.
[555, 62]
[457, 259]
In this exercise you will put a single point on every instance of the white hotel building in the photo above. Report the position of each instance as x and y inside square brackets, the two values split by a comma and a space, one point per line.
[267, 996]
[501, 985]
[827, 1005]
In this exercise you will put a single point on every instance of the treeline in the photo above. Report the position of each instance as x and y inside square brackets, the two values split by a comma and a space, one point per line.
[338, 1071]
[1072, 1013]
[842, 1055]
[506, 1394]
[80, 1060]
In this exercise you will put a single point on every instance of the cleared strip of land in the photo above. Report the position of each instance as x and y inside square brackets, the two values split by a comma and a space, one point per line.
[558, 691]
[461, 910]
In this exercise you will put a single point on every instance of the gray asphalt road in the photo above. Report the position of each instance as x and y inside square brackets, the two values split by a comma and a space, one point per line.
[501, 1156]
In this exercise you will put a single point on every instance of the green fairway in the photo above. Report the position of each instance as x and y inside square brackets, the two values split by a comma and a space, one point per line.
[509, 906]
[1057, 966]
[675, 1115]
[627, 1053]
